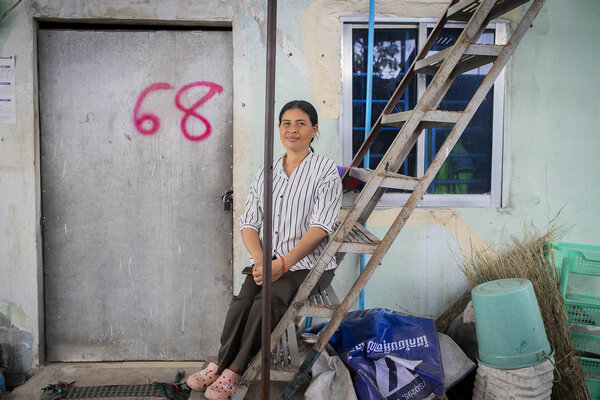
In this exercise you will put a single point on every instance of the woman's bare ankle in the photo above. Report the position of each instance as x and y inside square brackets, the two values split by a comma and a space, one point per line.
[234, 368]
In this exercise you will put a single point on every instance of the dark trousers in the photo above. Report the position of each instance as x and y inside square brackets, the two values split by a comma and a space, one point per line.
[241, 337]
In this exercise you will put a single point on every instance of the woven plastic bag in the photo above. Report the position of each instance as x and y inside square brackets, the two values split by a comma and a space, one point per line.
[391, 356]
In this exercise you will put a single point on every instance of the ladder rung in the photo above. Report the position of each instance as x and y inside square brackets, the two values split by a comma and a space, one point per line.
[285, 359]
[464, 9]
[277, 356]
[359, 240]
[392, 180]
[321, 305]
[283, 373]
[292, 342]
[311, 310]
[475, 56]
[431, 119]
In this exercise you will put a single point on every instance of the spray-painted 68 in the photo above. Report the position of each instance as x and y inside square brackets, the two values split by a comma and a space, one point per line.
[140, 121]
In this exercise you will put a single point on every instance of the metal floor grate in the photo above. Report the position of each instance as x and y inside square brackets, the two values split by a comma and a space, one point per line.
[155, 391]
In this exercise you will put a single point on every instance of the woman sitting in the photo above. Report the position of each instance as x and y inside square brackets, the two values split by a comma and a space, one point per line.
[307, 195]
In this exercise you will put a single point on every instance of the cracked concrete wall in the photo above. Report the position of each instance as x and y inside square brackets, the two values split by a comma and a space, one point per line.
[548, 120]
[21, 342]
[20, 283]
[21, 294]
[551, 139]
[157, 11]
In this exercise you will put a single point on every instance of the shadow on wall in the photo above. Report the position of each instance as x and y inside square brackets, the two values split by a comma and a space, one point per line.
[21, 345]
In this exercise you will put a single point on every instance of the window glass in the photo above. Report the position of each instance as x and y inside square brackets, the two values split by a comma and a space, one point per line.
[472, 166]
[393, 52]
[468, 168]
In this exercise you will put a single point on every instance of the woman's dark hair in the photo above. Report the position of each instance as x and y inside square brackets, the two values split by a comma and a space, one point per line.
[304, 106]
[301, 105]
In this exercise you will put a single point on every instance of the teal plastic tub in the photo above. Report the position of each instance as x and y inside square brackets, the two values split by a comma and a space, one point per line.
[510, 330]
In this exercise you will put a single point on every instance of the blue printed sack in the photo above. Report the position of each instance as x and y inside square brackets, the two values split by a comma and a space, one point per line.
[392, 356]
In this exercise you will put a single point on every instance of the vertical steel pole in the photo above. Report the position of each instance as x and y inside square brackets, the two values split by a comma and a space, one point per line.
[268, 200]
[368, 104]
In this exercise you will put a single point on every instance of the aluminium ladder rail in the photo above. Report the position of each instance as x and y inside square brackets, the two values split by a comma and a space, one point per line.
[461, 57]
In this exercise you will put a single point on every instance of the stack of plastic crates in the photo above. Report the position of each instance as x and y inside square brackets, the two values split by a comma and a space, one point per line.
[582, 309]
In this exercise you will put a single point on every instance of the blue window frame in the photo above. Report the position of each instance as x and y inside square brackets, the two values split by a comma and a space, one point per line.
[471, 174]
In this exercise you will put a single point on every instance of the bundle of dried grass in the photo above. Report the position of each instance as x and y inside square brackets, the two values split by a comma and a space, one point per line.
[526, 258]
[445, 319]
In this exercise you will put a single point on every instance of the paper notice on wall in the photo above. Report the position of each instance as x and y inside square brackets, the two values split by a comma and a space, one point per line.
[8, 109]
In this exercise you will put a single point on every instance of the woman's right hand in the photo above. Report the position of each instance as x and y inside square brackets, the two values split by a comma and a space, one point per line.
[252, 243]
[276, 271]
[257, 274]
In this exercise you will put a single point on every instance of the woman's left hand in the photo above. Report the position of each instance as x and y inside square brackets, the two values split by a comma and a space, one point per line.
[276, 272]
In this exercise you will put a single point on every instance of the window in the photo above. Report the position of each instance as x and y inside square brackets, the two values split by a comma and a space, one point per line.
[471, 175]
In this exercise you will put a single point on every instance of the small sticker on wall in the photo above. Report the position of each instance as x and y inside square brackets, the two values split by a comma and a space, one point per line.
[8, 109]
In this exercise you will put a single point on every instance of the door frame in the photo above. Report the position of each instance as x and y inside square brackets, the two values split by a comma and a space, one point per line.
[94, 24]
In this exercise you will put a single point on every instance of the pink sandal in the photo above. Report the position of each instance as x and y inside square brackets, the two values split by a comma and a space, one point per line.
[203, 378]
[224, 387]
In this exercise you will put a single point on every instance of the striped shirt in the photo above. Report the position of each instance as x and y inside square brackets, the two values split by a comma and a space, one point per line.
[311, 196]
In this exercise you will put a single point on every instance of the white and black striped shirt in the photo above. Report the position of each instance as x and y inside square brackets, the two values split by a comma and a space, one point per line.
[311, 196]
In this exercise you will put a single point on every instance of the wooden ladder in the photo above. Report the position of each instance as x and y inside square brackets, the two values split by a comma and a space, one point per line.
[351, 236]
[285, 357]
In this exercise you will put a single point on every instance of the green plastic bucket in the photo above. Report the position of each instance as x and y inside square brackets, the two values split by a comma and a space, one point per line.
[510, 330]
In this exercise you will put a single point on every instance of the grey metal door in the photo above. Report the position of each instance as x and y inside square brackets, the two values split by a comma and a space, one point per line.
[136, 152]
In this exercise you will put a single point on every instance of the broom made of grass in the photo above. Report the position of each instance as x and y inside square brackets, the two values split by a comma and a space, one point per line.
[527, 258]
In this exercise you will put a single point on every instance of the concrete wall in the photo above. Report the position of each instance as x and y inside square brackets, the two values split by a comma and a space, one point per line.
[20, 262]
[549, 156]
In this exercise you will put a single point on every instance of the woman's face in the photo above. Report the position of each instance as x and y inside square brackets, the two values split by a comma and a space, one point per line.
[296, 131]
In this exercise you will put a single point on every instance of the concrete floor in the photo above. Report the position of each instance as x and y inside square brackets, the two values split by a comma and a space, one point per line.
[123, 373]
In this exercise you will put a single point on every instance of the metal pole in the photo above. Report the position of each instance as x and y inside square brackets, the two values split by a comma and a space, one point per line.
[366, 162]
[268, 200]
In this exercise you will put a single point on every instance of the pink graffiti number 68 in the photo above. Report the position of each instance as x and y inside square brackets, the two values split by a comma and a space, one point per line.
[191, 111]
[140, 121]
[153, 118]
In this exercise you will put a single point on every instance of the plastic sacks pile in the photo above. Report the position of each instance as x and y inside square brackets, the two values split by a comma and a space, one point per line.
[391, 356]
